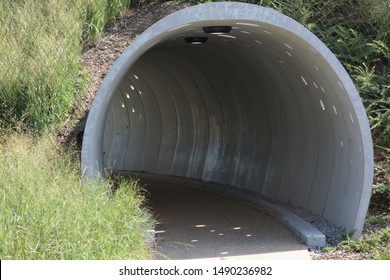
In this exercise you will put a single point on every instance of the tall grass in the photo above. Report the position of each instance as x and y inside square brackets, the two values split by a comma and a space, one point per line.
[46, 213]
[39, 60]
[97, 13]
[41, 43]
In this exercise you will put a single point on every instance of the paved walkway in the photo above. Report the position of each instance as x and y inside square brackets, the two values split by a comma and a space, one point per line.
[195, 224]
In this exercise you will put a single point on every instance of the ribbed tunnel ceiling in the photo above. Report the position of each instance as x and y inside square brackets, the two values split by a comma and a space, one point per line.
[262, 108]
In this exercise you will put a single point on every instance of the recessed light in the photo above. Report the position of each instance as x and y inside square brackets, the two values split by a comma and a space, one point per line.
[217, 29]
[196, 40]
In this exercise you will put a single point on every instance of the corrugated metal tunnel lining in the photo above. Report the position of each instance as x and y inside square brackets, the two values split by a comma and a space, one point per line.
[266, 108]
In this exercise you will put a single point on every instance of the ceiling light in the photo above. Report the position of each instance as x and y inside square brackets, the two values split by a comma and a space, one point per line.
[217, 29]
[196, 40]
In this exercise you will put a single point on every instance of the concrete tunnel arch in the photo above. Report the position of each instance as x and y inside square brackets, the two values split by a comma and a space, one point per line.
[265, 108]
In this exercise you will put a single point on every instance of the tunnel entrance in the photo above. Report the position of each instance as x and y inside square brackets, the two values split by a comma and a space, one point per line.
[238, 95]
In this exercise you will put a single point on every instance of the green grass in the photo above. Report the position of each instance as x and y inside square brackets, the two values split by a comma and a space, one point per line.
[40, 60]
[97, 13]
[46, 212]
[375, 245]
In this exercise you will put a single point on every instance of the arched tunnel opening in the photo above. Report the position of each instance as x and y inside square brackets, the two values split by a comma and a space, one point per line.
[242, 96]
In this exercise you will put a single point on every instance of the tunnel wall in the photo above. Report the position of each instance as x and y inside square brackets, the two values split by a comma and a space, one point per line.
[266, 108]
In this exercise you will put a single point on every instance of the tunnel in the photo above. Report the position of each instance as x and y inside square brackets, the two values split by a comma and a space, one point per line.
[240, 96]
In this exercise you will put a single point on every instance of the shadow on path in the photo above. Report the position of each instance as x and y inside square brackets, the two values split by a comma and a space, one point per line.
[193, 224]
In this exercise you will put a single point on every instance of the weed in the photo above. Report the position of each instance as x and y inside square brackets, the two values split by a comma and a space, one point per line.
[328, 249]
[376, 220]
[375, 245]
[46, 212]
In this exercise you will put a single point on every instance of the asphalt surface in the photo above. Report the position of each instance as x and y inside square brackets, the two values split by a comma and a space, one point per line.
[196, 224]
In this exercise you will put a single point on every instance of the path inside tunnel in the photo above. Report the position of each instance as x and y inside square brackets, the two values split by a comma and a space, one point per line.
[197, 224]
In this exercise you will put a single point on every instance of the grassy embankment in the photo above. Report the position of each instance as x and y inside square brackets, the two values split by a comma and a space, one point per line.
[45, 210]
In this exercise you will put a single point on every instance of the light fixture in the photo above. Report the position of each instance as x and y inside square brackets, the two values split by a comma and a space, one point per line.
[217, 29]
[196, 40]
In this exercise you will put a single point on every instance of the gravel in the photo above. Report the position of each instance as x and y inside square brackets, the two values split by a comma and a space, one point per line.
[333, 234]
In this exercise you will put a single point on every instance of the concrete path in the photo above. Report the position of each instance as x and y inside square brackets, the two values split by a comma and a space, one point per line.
[195, 224]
